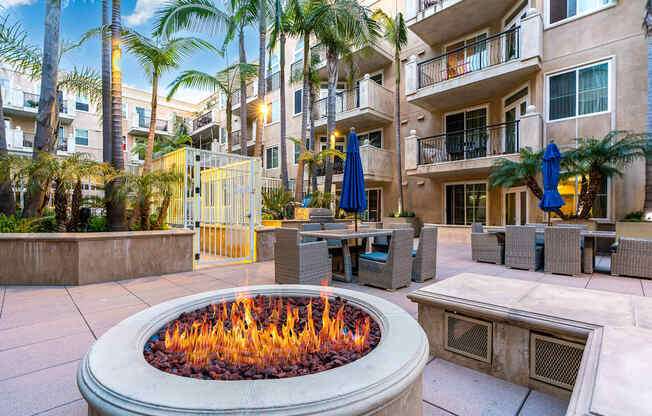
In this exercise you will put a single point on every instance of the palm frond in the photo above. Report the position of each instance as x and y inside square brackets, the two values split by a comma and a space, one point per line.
[17, 51]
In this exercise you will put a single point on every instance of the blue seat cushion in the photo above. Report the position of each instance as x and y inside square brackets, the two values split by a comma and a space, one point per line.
[381, 243]
[614, 247]
[540, 241]
[375, 256]
[414, 253]
[539, 248]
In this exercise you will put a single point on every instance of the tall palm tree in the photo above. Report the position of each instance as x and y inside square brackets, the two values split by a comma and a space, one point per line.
[345, 23]
[16, 51]
[263, 11]
[647, 26]
[116, 215]
[227, 82]
[304, 17]
[209, 16]
[280, 28]
[106, 85]
[156, 56]
[395, 32]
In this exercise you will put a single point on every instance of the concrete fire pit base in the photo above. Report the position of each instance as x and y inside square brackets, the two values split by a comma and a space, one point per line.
[115, 379]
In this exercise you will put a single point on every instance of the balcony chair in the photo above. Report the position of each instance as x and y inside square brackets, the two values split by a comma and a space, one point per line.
[522, 251]
[563, 253]
[633, 257]
[424, 263]
[391, 270]
[300, 263]
[486, 247]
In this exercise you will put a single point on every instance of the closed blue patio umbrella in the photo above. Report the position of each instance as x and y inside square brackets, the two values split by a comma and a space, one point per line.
[353, 197]
[551, 200]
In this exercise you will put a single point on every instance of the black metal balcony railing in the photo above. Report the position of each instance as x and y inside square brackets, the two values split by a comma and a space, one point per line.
[494, 50]
[236, 94]
[31, 100]
[426, 4]
[63, 144]
[235, 138]
[273, 82]
[28, 139]
[203, 120]
[496, 139]
[159, 125]
[338, 167]
[344, 101]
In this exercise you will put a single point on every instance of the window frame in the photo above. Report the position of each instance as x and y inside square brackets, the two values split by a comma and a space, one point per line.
[368, 132]
[294, 102]
[77, 136]
[87, 102]
[271, 148]
[576, 195]
[548, 24]
[577, 69]
[269, 119]
[487, 203]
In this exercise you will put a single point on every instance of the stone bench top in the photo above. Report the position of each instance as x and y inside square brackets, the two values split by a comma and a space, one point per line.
[614, 378]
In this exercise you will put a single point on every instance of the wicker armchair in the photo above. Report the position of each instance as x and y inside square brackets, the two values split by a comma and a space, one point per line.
[424, 265]
[633, 257]
[563, 253]
[521, 249]
[300, 263]
[390, 270]
[486, 247]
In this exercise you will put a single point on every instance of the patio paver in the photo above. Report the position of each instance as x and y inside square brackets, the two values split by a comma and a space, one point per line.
[538, 404]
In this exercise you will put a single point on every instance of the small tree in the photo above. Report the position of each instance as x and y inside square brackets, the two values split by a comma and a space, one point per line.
[508, 173]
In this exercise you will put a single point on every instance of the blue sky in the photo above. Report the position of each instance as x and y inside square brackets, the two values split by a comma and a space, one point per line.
[79, 16]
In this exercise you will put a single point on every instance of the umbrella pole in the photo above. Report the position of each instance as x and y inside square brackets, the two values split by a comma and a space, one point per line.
[548, 218]
[356, 221]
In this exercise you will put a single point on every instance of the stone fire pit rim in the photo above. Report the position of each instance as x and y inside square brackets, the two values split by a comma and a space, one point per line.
[114, 376]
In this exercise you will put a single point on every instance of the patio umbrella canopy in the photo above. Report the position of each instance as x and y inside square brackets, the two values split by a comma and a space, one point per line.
[551, 200]
[353, 197]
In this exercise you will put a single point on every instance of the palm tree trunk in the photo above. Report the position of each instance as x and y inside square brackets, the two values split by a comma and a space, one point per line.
[284, 161]
[586, 200]
[331, 64]
[7, 198]
[647, 207]
[47, 116]
[229, 122]
[147, 166]
[298, 194]
[60, 206]
[106, 85]
[313, 143]
[117, 219]
[262, 44]
[397, 124]
[75, 207]
[243, 97]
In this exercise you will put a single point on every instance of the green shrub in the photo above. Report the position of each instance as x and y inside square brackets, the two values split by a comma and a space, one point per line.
[15, 224]
[97, 224]
[402, 214]
[634, 216]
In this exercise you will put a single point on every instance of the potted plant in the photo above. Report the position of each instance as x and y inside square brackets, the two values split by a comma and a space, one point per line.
[633, 225]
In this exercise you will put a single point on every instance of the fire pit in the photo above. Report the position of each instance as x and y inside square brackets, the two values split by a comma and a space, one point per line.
[290, 350]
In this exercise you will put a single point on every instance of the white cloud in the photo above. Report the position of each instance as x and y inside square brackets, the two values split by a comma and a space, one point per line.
[142, 13]
[14, 3]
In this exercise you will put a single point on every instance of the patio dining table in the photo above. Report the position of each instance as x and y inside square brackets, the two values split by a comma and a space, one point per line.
[590, 238]
[344, 236]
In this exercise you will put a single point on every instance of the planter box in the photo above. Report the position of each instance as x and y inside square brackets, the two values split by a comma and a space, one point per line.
[641, 229]
[413, 222]
[312, 213]
[265, 240]
[82, 258]
[591, 225]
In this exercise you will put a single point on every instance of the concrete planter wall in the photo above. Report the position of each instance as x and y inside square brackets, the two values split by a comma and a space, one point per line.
[413, 222]
[81, 258]
[634, 229]
[265, 239]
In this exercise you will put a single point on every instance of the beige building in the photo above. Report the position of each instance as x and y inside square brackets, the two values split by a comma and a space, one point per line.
[481, 79]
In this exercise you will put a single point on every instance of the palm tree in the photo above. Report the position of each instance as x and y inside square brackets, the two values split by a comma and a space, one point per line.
[165, 184]
[82, 166]
[16, 51]
[599, 159]
[647, 26]
[344, 23]
[106, 85]
[396, 34]
[304, 17]
[227, 82]
[157, 55]
[313, 160]
[280, 28]
[263, 11]
[507, 173]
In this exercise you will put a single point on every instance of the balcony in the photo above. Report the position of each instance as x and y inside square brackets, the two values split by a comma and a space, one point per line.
[478, 71]
[436, 21]
[273, 82]
[19, 141]
[376, 164]
[205, 122]
[252, 99]
[20, 103]
[140, 126]
[366, 60]
[367, 106]
[235, 140]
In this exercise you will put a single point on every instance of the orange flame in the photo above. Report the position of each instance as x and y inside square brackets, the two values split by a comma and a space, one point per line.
[245, 343]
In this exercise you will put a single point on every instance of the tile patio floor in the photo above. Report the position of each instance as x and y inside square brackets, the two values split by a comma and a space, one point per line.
[45, 331]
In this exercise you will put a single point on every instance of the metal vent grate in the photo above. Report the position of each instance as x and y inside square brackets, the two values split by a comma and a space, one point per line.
[555, 361]
[468, 336]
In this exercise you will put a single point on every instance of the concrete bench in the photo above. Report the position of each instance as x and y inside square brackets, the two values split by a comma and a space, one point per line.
[593, 346]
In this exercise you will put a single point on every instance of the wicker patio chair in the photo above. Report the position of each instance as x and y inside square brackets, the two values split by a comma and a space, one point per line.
[381, 242]
[486, 247]
[424, 265]
[300, 263]
[521, 248]
[390, 270]
[633, 257]
[563, 250]
[313, 226]
[587, 249]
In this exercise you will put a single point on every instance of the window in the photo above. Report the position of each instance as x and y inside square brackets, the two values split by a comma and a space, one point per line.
[81, 137]
[372, 213]
[274, 65]
[466, 203]
[223, 135]
[275, 114]
[124, 111]
[298, 51]
[378, 78]
[81, 103]
[570, 190]
[271, 157]
[297, 152]
[579, 92]
[563, 9]
[375, 138]
[298, 103]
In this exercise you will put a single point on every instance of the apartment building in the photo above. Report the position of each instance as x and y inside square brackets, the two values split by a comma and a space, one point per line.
[481, 79]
